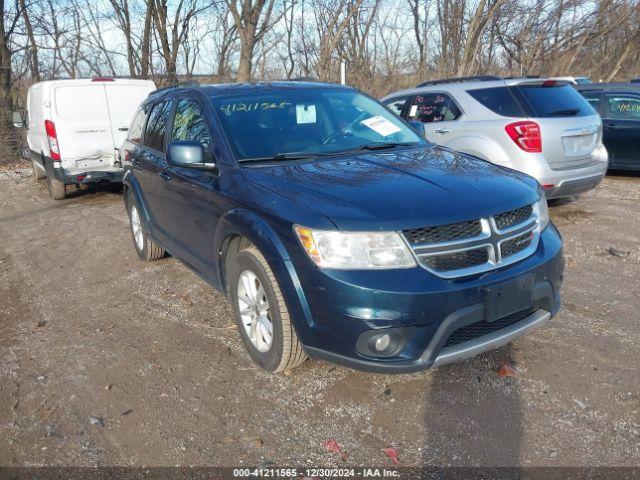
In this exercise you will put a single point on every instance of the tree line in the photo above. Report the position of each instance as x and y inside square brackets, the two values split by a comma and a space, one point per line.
[385, 44]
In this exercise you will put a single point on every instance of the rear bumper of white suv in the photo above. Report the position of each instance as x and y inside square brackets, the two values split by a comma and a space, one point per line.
[559, 183]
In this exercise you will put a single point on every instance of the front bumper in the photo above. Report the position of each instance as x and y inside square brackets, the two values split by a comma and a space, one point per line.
[420, 308]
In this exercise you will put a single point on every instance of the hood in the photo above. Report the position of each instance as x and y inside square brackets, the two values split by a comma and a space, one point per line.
[399, 189]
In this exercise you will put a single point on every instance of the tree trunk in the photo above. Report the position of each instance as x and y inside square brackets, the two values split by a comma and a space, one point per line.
[623, 57]
[33, 47]
[145, 59]
[8, 137]
[246, 60]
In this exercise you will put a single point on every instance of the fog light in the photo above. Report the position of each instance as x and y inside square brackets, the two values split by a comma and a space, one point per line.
[382, 342]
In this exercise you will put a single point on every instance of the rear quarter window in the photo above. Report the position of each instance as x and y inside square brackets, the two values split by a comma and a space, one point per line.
[499, 100]
[554, 100]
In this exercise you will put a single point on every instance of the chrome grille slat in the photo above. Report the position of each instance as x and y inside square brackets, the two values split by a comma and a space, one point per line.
[478, 245]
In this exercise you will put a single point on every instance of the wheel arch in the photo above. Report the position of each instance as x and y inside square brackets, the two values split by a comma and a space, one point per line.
[244, 225]
[241, 224]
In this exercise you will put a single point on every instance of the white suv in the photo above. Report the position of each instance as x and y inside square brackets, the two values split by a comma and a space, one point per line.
[541, 127]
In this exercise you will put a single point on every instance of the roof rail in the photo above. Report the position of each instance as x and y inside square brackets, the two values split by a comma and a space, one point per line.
[477, 78]
[185, 84]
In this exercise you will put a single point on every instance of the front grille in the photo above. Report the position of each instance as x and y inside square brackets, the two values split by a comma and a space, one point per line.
[516, 245]
[457, 260]
[444, 233]
[475, 246]
[479, 329]
[512, 218]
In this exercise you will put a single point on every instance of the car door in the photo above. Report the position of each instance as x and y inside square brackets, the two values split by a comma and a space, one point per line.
[438, 112]
[621, 129]
[150, 166]
[195, 204]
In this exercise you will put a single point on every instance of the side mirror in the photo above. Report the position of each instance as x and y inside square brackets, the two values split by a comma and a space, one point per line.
[189, 154]
[418, 126]
[18, 122]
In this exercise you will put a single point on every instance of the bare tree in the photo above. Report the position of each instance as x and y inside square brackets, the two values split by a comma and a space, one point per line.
[33, 47]
[252, 19]
[173, 32]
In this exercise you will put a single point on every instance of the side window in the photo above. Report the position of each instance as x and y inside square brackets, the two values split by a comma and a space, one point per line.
[433, 107]
[499, 100]
[623, 107]
[396, 105]
[593, 99]
[135, 130]
[189, 124]
[157, 125]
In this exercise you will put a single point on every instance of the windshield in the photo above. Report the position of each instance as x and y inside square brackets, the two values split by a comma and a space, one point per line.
[297, 123]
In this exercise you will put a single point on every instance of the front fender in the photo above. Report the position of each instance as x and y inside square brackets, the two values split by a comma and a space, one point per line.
[248, 224]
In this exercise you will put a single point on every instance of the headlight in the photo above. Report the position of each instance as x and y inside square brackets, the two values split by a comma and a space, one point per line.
[355, 251]
[542, 211]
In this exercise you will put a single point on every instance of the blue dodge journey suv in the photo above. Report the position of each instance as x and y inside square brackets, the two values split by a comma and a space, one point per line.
[335, 230]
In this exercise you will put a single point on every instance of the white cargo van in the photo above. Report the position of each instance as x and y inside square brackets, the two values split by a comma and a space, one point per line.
[76, 126]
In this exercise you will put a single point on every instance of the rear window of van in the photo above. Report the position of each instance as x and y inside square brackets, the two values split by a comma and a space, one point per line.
[76, 102]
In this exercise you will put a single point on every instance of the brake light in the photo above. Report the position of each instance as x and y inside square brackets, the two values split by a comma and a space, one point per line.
[102, 79]
[54, 150]
[549, 83]
[526, 135]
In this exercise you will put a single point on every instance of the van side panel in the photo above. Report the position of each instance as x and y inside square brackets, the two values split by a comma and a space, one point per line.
[36, 137]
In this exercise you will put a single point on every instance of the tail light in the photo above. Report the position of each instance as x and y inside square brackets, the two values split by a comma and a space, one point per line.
[526, 135]
[54, 150]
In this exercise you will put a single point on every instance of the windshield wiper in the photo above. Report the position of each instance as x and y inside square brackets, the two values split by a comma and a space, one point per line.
[568, 111]
[280, 156]
[383, 146]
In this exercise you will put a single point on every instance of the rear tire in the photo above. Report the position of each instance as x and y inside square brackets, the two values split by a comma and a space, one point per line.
[250, 272]
[38, 174]
[57, 189]
[146, 249]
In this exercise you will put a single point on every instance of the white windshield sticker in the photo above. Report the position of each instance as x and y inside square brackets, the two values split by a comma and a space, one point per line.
[305, 114]
[381, 125]
[413, 110]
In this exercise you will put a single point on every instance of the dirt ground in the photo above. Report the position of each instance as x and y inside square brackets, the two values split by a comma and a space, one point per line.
[106, 360]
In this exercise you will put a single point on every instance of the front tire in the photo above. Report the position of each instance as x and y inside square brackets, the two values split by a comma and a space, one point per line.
[146, 249]
[261, 313]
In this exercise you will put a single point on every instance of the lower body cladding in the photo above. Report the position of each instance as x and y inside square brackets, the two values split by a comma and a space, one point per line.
[398, 321]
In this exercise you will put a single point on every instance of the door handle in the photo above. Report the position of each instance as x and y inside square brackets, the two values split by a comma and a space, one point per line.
[611, 126]
[442, 131]
[123, 129]
[164, 175]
